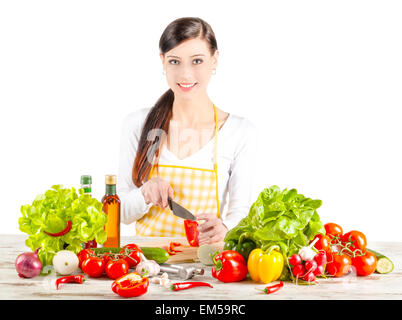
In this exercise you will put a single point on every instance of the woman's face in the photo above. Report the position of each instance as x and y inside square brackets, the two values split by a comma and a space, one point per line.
[189, 64]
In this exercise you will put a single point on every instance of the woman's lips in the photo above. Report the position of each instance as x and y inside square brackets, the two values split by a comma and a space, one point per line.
[188, 86]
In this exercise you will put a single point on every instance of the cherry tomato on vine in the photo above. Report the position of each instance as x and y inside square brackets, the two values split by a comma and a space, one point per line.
[365, 264]
[84, 255]
[338, 265]
[133, 254]
[116, 268]
[356, 238]
[93, 266]
[333, 229]
[323, 243]
[106, 257]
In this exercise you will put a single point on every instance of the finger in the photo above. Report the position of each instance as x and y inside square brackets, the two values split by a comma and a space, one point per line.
[207, 224]
[204, 216]
[171, 192]
[216, 238]
[164, 196]
[207, 234]
[155, 197]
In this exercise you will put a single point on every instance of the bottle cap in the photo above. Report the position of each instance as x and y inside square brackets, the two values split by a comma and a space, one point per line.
[86, 179]
[110, 179]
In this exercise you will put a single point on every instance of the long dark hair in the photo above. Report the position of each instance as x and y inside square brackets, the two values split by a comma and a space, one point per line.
[160, 114]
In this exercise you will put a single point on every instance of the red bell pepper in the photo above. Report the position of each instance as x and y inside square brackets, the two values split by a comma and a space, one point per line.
[191, 228]
[130, 285]
[229, 266]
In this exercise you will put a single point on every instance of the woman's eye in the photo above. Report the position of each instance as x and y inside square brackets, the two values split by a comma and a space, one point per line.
[173, 61]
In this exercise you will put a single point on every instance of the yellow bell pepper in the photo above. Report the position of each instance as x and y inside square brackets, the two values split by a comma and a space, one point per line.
[265, 266]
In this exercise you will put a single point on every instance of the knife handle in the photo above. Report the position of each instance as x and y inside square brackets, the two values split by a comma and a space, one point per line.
[170, 203]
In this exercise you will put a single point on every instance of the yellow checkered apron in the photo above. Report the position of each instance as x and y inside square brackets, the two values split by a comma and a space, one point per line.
[196, 189]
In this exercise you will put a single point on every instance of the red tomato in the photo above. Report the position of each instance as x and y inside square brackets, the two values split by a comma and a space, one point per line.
[106, 257]
[338, 264]
[93, 266]
[333, 229]
[366, 264]
[323, 243]
[116, 268]
[131, 253]
[356, 238]
[83, 255]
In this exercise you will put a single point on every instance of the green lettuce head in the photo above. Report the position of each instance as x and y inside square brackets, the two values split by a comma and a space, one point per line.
[51, 211]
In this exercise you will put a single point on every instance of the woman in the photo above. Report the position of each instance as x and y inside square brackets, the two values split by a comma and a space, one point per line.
[172, 149]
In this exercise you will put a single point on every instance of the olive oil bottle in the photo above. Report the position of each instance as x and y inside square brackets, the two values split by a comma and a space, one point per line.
[86, 184]
[111, 206]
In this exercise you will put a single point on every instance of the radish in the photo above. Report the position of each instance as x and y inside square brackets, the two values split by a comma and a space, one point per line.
[295, 259]
[321, 258]
[309, 277]
[319, 271]
[310, 265]
[298, 270]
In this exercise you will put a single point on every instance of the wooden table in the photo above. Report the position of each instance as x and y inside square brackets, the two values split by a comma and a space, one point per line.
[376, 286]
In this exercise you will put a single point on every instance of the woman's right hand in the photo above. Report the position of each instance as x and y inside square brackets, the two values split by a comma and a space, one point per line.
[157, 191]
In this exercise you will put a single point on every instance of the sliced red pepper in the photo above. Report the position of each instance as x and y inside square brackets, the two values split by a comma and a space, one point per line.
[167, 248]
[62, 232]
[70, 279]
[173, 245]
[130, 285]
[191, 228]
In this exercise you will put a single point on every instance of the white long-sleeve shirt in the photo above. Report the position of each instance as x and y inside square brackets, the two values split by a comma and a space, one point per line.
[237, 163]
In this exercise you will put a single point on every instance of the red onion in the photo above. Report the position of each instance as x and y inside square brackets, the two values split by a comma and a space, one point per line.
[28, 264]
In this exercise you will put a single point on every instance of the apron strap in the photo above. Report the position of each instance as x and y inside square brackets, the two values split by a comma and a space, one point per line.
[215, 161]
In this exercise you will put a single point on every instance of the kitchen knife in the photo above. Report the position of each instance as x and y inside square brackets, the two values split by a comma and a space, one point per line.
[180, 211]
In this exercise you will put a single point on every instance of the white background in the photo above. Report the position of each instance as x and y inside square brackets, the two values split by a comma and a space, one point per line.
[321, 79]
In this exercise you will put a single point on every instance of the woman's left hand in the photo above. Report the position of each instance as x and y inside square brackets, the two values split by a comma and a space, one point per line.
[212, 230]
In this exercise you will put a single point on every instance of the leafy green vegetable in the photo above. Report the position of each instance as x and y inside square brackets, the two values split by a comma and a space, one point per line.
[279, 217]
[51, 211]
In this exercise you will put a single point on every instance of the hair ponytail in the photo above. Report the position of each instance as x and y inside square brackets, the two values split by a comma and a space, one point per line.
[158, 118]
[156, 126]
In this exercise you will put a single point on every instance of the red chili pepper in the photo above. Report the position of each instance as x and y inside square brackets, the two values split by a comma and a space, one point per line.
[187, 285]
[229, 266]
[273, 288]
[130, 285]
[191, 228]
[62, 232]
[70, 279]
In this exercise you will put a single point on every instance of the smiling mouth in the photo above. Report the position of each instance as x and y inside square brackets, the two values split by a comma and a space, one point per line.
[187, 85]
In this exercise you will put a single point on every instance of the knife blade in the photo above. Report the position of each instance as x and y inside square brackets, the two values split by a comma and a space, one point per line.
[180, 211]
